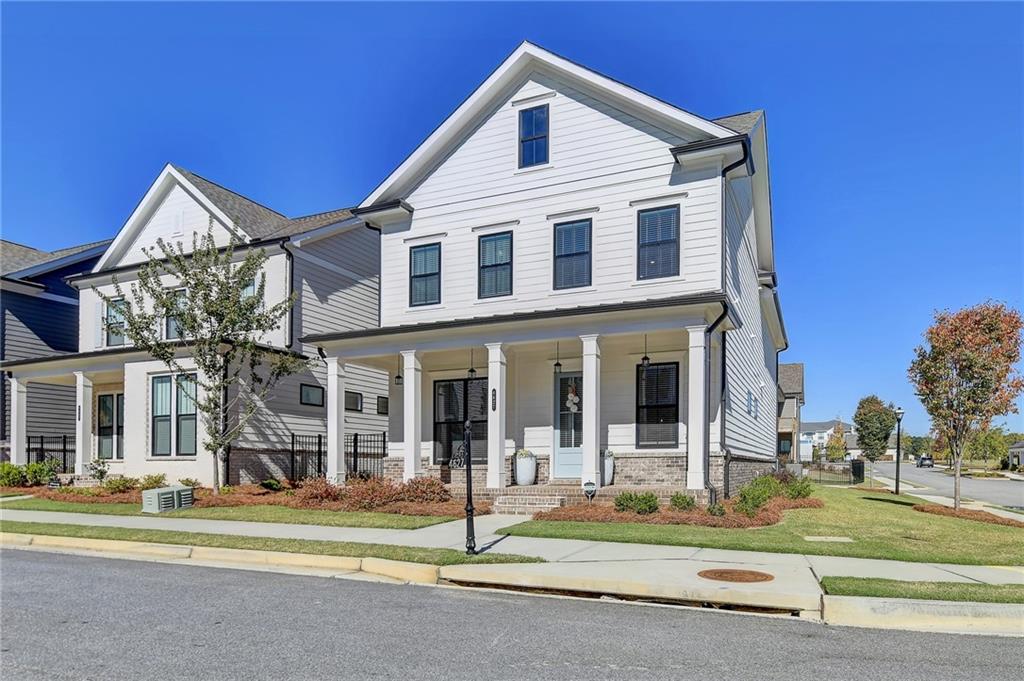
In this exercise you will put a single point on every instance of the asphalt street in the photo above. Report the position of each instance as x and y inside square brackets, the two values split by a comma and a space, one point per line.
[75, 617]
[1000, 491]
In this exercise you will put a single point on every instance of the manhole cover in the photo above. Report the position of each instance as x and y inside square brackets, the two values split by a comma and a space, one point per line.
[735, 575]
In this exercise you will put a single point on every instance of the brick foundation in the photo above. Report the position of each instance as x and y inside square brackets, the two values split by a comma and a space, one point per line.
[664, 469]
[741, 471]
[250, 466]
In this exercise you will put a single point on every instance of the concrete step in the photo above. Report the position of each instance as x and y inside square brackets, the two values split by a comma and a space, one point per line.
[526, 504]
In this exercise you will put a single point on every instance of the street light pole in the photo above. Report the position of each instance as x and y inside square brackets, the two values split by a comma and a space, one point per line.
[899, 453]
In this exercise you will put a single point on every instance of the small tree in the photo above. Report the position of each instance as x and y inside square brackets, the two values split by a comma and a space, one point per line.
[875, 422]
[835, 447]
[965, 373]
[217, 306]
[988, 444]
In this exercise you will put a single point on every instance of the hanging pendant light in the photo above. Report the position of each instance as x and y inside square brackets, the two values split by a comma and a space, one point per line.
[472, 370]
[558, 364]
[398, 376]
[645, 361]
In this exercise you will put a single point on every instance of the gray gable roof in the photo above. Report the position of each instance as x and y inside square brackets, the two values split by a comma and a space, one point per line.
[15, 257]
[741, 123]
[257, 220]
[791, 379]
[822, 426]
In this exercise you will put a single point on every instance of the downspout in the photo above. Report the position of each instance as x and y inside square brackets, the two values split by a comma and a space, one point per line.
[707, 401]
[290, 259]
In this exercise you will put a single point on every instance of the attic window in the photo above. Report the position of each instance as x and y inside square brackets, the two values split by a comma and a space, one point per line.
[533, 136]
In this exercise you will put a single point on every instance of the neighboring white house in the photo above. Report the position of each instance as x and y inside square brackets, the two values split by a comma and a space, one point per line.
[132, 412]
[574, 266]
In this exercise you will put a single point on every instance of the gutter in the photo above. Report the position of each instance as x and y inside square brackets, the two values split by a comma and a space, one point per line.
[707, 401]
[290, 259]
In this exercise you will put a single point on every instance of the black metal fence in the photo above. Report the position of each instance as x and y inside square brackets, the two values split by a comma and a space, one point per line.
[365, 453]
[57, 448]
[835, 472]
[308, 457]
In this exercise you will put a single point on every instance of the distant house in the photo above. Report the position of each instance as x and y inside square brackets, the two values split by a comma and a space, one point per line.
[39, 318]
[853, 449]
[791, 398]
[816, 434]
[1017, 454]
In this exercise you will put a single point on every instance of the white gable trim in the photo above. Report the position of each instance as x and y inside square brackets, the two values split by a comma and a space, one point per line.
[340, 227]
[525, 58]
[168, 177]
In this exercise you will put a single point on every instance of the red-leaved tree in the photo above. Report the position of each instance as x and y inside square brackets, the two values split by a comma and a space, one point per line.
[965, 373]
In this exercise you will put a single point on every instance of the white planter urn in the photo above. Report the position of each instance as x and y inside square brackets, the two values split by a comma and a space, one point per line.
[526, 468]
[607, 468]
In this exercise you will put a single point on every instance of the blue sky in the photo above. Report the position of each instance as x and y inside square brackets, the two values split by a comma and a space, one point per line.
[896, 131]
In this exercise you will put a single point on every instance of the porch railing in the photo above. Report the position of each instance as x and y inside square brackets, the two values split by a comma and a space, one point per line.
[308, 457]
[57, 448]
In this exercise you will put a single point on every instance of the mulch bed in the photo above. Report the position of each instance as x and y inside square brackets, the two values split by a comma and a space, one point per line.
[769, 514]
[968, 514]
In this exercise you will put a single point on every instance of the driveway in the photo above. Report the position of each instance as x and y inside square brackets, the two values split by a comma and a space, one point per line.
[999, 491]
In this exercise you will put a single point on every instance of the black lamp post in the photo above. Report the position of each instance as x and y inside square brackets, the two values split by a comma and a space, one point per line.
[470, 530]
[899, 419]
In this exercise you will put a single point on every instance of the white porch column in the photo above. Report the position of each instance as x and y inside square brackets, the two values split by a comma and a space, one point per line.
[83, 423]
[496, 380]
[591, 410]
[412, 413]
[335, 419]
[696, 416]
[19, 406]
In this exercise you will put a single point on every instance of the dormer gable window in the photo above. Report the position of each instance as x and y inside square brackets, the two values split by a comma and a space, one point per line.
[533, 136]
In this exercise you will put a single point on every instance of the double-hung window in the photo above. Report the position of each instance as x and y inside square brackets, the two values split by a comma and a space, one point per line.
[658, 242]
[425, 275]
[572, 254]
[533, 136]
[657, 405]
[353, 401]
[495, 265]
[173, 401]
[115, 322]
[172, 327]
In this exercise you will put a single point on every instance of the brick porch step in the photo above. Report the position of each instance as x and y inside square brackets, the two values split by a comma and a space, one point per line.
[526, 504]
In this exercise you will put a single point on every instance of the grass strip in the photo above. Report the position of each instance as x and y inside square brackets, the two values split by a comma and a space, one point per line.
[931, 591]
[311, 546]
[260, 514]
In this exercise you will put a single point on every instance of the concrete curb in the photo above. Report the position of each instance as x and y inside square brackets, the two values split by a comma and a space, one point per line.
[1005, 619]
[418, 573]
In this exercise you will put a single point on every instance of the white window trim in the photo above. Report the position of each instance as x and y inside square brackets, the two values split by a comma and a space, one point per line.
[173, 456]
[572, 216]
[540, 101]
[163, 325]
[114, 458]
[645, 205]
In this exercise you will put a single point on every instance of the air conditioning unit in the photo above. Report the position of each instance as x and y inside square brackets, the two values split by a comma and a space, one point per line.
[158, 500]
[183, 497]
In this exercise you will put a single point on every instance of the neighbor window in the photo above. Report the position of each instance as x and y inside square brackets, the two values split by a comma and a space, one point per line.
[533, 136]
[425, 275]
[382, 406]
[353, 401]
[572, 254]
[181, 439]
[312, 395]
[249, 290]
[172, 327]
[658, 243]
[495, 265]
[115, 322]
[657, 405]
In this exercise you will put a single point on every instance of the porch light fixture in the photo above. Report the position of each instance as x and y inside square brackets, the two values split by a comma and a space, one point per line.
[645, 361]
[472, 371]
[398, 374]
[558, 364]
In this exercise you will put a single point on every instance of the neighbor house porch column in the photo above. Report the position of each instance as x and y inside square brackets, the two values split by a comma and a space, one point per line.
[696, 399]
[83, 423]
[19, 405]
[412, 413]
[335, 419]
[496, 380]
[591, 410]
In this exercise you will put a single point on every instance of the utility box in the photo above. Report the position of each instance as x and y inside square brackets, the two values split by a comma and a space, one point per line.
[163, 499]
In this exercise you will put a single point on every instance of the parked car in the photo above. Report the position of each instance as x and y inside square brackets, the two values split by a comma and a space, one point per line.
[925, 461]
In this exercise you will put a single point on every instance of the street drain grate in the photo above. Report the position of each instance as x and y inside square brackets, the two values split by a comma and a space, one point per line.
[726, 575]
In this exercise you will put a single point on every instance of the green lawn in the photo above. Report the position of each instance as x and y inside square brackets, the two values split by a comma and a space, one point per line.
[932, 591]
[324, 548]
[264, 514]
[13, 494]
[881, 525]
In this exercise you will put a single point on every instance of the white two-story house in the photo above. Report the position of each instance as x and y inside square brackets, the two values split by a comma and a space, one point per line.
[574, 267]
[132, 413]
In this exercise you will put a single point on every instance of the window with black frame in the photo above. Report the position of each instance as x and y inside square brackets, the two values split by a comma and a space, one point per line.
[425, 275]
[455, 401]
[185, 412]
[172, 327]
[572, 254]
[658, 243]
[657, 405]
[115, 322]
[533, 136]
[495, 265]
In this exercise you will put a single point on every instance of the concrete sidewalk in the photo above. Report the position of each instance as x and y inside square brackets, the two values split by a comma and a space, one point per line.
[575, 553]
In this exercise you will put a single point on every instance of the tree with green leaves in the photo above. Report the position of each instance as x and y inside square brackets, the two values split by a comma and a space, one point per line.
[966, 373]
[875, 422]
[835, 446]
[203, 312]
[988, 444]
[919, 444]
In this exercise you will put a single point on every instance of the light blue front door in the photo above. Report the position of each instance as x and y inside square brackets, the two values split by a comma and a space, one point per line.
[568, 425]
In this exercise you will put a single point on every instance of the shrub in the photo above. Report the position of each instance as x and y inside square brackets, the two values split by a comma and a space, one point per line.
[40, 473]
[425, 490]
[12, 475]
[272, 485]
[98, 469]
[682, 502]
[798, 489]
[190, 482]
[120, 485]
[365, 495]
[640, 503]
[153, 481]
[716, 510]
[757, 493]
[784, 476]
[316, 491]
